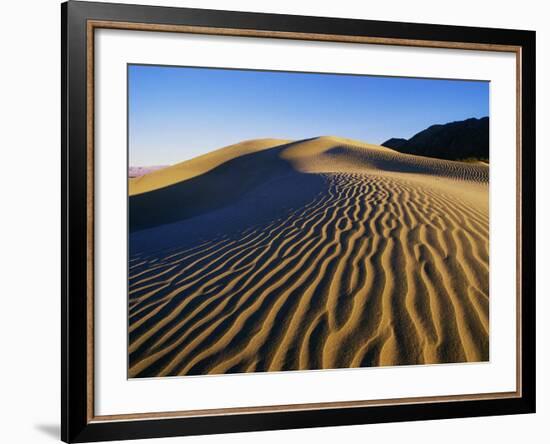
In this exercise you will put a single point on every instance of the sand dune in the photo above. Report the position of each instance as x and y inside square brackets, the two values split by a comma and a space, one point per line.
[323, 253]
[197, 166]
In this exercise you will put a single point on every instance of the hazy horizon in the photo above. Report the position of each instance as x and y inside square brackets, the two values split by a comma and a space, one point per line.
[177, 113]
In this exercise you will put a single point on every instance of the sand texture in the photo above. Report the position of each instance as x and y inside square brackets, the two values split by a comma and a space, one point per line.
[324, 253]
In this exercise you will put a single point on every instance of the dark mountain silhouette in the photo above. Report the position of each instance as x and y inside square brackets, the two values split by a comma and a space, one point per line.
[395, 143]
[466, 139]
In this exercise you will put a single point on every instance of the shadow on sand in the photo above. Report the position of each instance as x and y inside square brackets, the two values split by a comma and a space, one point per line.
[244, 192]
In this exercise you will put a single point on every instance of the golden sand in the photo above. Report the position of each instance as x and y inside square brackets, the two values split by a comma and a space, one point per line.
[388, 265]
[197, 166]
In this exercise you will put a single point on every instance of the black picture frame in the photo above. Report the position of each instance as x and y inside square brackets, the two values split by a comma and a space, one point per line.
[77, 425]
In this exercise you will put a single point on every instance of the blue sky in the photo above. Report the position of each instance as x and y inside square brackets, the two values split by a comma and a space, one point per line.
[177, 113]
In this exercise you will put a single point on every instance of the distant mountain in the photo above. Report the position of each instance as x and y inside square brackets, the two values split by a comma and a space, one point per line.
[466, 139]
[395, 143]
[139, 171]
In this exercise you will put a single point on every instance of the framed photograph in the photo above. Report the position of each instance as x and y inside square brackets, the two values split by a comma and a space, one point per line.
[275, 221]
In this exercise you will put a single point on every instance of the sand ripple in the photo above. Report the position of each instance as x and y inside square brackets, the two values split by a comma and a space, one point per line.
[376, 269]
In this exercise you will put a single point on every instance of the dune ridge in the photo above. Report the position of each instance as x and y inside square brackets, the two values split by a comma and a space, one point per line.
[384, 260]
[197, 166]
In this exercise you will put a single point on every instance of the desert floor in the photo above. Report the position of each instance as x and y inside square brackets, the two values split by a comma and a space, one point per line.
[272, 255]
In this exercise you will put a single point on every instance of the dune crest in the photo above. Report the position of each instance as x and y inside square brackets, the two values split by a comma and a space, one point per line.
[315, 254]
[197, 166]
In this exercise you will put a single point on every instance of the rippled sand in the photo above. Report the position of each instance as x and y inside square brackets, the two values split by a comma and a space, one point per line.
[324, 253]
